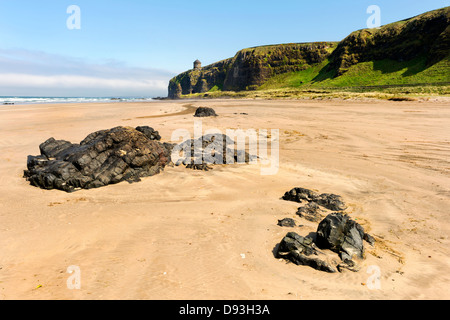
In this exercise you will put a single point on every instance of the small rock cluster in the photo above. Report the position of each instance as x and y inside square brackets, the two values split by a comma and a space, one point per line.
[326, 200]
[202, 153]
[336, 232]
[313, 201]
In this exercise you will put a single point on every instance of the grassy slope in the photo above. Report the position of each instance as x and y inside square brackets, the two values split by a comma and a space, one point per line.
[384, 79]
[373, 73]
[357, 67]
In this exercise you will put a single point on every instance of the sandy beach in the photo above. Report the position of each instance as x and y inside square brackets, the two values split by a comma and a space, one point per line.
[187, 234]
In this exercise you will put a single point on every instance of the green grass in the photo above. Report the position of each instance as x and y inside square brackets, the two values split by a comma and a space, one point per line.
[294, 79]
[374, 73]
[389, 72]
[215, 88]
[386, 79]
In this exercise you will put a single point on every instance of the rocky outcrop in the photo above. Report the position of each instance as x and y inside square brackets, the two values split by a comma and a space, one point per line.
[199, 80]
[287, 222]
[175, 90]
[123, 154]
[327, 200]
[211, 149]
[203, 112]
[310, 212]
[151, 133]
[102, 158]
[339, 233]
[336, 232]
[302, 251]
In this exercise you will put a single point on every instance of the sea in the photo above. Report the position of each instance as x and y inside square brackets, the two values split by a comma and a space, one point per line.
[11, 100]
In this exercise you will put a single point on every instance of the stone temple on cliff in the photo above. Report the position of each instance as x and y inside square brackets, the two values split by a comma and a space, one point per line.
[197, 65]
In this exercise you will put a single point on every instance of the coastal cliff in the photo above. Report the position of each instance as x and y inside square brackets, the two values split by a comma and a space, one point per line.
[411, 51]
[250, 68]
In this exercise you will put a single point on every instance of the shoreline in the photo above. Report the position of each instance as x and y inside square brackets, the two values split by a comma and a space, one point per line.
[9, 101]
[426, 99]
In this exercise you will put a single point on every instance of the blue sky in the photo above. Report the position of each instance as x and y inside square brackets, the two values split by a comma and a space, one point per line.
[133, 47]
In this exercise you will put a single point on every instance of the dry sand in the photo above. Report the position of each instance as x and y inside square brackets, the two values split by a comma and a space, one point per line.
[210, 235]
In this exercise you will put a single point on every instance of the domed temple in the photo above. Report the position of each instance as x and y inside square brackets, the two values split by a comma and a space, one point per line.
[197, 65]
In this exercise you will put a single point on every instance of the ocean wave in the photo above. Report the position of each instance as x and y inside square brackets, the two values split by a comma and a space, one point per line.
[52, 100]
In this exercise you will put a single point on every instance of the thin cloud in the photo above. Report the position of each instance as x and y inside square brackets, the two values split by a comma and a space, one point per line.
[48, 74]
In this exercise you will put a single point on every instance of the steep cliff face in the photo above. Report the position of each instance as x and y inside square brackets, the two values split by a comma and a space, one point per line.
[250, 68]
[427, 34]
[199, 81]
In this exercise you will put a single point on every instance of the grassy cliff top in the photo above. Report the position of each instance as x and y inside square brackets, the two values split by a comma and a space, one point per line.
[397, 58]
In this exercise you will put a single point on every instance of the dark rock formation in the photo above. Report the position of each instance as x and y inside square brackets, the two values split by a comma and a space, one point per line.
[300, 194]
[310, 212]
[151, 133]
[201, 167]
[342, 235]
[175, 90]
[337, 232]
[122, 154]
[287, 222]
[348, 265]
[369, 239]
[102, 158]
[302, 251]
[201, 153]
[203, 112]
[329, 201]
